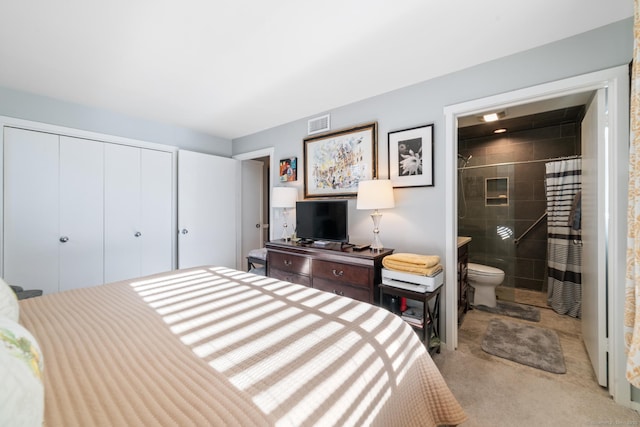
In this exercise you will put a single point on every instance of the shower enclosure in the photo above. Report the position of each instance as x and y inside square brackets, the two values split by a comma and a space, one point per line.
[502, 203]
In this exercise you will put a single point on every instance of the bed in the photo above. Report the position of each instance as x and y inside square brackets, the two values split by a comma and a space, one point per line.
[216, 346]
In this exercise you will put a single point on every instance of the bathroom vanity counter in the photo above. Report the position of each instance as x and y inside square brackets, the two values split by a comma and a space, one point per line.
[463, 240]
[463, 278]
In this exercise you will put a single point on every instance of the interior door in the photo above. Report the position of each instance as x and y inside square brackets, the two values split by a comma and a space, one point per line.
[594, 283]
[81, 213]
[31, 223]
[252, 201]
[207, 210]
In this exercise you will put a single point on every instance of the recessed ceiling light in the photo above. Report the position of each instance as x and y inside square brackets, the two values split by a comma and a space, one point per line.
[492, 117]
[501, 130]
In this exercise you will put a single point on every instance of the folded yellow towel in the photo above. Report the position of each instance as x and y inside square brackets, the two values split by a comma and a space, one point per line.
[426, 265]
[414, 259]
[422, 271]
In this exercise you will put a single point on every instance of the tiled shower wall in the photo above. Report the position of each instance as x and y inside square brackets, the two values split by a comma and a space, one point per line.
[493, 229]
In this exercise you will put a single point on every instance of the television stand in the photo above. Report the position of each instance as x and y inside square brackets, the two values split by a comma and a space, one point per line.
[334, 268]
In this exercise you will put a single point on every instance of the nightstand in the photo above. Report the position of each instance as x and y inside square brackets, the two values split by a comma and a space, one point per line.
[429, 324]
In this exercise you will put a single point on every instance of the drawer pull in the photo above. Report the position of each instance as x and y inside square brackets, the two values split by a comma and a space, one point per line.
[338, 292]
[287, 262]
[338, 273]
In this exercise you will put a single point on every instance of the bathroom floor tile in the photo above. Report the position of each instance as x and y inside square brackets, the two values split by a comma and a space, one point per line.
[579, 370]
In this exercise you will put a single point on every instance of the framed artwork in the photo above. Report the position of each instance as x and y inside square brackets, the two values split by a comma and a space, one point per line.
[411, 157]
[289, 169]
[335, 162]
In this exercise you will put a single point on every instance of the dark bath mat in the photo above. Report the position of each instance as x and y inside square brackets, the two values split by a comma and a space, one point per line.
[530, 345]
[513, 309]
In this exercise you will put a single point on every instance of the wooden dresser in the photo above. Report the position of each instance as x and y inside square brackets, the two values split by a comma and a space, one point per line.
[331, 268]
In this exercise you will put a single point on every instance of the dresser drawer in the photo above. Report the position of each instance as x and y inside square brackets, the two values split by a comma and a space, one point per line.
[287, 276]
[288, 262]
[333, 269]
[344, 273]
[357, 293]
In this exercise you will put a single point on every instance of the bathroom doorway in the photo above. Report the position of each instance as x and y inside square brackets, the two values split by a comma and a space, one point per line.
[502, 203]
[610, 158]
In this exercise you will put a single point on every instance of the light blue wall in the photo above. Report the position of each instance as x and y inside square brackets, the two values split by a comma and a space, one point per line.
[42, 109]
[417, 224]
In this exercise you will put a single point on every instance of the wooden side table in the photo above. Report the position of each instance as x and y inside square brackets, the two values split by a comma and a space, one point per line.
[429, 328]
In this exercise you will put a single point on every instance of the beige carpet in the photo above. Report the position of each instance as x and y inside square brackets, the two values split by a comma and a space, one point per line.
[499, 392]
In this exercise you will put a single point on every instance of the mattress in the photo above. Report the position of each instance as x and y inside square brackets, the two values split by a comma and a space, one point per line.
[216, 346]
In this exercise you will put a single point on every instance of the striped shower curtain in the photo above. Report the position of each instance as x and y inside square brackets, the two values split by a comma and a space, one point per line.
[564, 245]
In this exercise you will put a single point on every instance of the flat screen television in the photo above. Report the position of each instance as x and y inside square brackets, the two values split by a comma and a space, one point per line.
[322, 220]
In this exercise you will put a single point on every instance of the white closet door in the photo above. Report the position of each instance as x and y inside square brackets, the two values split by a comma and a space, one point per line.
[81, 213]
[122, 212]
[207, 217]
[156, 212]
[31, 238]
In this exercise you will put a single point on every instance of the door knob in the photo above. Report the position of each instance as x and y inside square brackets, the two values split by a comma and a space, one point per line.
[64, 239]
[138, 234]
[184, 231]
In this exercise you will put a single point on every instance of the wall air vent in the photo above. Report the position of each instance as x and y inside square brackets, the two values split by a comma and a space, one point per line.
[319, 124]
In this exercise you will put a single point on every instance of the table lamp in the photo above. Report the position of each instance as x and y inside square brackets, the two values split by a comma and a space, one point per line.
[375, 194]
[284, 197]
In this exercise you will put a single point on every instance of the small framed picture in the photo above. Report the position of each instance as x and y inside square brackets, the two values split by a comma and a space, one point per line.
[411, 157]
[289, 169]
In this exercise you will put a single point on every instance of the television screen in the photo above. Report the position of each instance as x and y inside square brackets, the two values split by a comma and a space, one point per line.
[322, 220]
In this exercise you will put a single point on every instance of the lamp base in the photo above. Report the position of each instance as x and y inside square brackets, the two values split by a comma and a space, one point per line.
[285, 235]
[376, 244]
[285, 232]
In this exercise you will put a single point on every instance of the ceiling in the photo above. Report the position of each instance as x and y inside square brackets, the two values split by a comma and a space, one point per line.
[233, 68]
[550, 112]
[533, 121]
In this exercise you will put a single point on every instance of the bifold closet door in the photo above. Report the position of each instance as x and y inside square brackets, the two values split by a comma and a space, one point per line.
[137, 212]
[156, 211]
[31, 204]
[122, 212]
[53, 211]
[81, 173]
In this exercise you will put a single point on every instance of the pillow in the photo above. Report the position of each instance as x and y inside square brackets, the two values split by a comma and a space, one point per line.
[9, 306]
[22, 391]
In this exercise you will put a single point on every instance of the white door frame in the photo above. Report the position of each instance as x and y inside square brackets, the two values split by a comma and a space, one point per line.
[616, 80]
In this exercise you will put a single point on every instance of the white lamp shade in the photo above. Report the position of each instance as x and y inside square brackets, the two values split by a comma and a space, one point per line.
[375, 194]
[284, 197]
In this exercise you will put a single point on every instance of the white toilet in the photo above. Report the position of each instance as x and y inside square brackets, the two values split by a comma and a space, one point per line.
[484, 280]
